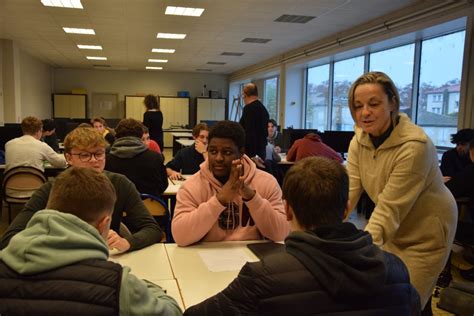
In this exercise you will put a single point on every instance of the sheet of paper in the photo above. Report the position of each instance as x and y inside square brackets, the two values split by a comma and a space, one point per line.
[224, 259]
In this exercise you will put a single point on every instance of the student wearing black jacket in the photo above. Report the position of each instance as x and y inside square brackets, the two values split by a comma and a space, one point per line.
[328, 267]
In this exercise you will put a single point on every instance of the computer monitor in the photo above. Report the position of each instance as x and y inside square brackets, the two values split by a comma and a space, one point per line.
[338, 140]
[8, 132]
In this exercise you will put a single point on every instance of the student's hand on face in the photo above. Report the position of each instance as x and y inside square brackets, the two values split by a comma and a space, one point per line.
[233, 184]
[115, 241]
[200, 147]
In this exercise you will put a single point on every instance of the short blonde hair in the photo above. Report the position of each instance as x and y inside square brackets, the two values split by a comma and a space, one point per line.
[83, 192]
[31, 125]
[377, 77]
[82, 138]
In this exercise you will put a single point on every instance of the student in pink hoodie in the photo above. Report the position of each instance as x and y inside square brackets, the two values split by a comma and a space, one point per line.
[229, 198]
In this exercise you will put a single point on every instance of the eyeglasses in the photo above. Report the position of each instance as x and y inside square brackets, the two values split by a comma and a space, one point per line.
[86, 156]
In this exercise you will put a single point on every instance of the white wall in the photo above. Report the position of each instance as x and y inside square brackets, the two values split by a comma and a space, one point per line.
[137, 82]
[35, 81]
[294, 100]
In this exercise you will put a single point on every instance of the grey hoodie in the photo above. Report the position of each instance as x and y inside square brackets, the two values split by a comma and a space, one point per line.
[54, 239]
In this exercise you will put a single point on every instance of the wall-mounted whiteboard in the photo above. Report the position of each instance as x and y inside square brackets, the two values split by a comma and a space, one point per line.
[70, 106]
[210, 109]
[134, 107]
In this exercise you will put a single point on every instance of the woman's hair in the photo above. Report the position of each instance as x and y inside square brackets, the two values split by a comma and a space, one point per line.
[151, 102]
[129, 127]
[377, 77]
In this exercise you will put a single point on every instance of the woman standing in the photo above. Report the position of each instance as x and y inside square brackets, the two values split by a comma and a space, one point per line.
[153, 119]
[395, 162]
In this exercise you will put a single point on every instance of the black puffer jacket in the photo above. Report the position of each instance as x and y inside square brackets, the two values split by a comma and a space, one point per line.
[330, 271]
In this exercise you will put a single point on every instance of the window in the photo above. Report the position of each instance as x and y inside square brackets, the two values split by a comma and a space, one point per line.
[270, 97]
[440, 77]
[317, 98]
[397, 63]
[436, 76]
[345, 72]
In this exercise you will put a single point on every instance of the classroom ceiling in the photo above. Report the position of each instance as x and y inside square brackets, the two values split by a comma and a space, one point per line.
[127, 30]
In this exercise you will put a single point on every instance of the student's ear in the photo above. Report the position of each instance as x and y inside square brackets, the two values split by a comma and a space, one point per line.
[68, 158]
[347, 210]
[103, 226]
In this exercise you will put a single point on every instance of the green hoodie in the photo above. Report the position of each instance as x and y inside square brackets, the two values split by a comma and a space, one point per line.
[54, 239]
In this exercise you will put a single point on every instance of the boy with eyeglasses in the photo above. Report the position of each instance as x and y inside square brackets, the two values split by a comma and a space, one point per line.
[84, 147]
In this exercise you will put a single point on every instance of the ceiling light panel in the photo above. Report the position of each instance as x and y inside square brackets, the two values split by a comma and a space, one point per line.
[183, 11]
[72, 30]
[215, 63]
[73, 4]
[294, 18]
[153, 68]
[96, 47]
[171, 36]
[232, 54]
[256, 40]
[96, 58]
[162, 50]
[157, 60]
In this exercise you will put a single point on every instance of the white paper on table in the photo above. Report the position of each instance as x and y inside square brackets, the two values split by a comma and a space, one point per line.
[224, 259]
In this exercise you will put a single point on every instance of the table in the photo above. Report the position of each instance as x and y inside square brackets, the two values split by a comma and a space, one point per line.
[152, 263]
[178, 136]
[194, 279]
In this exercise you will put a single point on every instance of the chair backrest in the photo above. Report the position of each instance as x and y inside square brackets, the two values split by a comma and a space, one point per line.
[155, 205]
[159, 208]
[20, 183]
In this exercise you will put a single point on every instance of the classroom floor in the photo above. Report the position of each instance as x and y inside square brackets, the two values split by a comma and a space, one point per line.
[358, 220]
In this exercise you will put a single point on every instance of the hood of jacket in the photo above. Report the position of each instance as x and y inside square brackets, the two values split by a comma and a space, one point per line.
[342, 258]
[51, 240]
[403, 132]
[127, 147]
[248, 166]
[313, 137]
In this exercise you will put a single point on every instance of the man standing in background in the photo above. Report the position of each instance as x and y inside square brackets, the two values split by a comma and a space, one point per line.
[254, 121]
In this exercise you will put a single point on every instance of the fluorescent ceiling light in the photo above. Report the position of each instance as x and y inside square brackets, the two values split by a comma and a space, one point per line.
[96, 58]
[170, 36]
[157, 60]
[98, 47]
[184, 11]
[73, 4]
[162, 50]
[155, 68]
[78, 31]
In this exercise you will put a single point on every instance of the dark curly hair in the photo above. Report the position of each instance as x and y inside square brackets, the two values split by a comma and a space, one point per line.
[463, 136]
[230, 130]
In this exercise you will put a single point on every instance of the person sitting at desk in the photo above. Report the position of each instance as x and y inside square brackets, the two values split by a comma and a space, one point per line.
[85, 147]
[28, 150]
[131, 157]
[48, 134]
[311, 145]
[64, 248]
[101, 126]
[327, 266]
[188, 159]
[273, 148]
[152, 145]
[228, 199]
[456, 159]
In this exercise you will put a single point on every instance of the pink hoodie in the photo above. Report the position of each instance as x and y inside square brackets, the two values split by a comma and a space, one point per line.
[196, 216]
